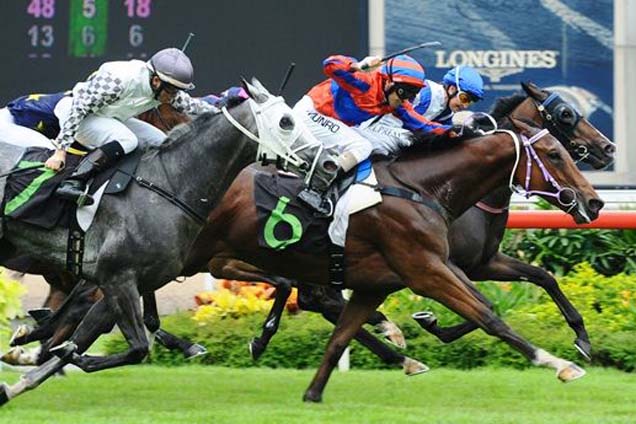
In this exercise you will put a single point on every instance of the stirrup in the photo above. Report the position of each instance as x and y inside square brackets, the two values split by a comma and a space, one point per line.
[85, 199]
[314, 200]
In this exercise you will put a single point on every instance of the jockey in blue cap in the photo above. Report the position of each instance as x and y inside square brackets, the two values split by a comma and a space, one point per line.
[461, 87]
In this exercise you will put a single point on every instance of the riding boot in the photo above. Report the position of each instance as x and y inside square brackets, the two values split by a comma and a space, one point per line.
[74, 187]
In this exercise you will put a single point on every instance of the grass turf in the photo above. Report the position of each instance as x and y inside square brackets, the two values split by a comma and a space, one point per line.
[196, 394]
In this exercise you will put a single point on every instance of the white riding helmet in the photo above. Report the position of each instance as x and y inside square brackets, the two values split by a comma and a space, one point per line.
[172, 66]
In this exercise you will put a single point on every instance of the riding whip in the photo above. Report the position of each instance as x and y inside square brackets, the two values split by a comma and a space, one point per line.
[408, 49]
[290, 69]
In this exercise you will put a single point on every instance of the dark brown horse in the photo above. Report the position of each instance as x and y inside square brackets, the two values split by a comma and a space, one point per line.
[401, 243]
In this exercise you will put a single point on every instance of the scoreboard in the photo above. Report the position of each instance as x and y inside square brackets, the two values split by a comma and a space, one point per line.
[49, 45]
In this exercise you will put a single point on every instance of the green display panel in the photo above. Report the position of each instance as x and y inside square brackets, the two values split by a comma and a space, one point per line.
[88, 28]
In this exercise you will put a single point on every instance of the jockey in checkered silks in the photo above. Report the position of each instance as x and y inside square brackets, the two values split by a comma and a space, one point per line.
[100, 113]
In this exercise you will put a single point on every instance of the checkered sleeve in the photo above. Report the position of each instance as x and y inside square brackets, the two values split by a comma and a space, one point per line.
[190, 105]
[101, 89]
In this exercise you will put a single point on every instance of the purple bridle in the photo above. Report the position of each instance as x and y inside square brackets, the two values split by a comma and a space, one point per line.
[531, 155]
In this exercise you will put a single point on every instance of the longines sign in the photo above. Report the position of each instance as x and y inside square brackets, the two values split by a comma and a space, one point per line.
[497, 64]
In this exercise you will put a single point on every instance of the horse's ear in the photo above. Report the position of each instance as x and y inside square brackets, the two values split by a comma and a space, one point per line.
[534, 90]
[256, 90]
[247, 87]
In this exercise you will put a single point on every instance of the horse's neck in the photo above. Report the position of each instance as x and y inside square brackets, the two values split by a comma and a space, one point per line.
[500, 197]
[202, 163]
[461, 176]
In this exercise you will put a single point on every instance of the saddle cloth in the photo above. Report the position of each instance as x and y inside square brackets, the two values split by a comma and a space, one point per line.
[287, 223]
[30, 195]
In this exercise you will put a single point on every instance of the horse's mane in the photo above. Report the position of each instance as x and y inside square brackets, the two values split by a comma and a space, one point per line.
[505, 105]
[429, 142]
[188, 130]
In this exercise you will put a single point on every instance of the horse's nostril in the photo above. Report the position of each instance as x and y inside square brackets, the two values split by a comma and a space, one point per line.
[596, 205]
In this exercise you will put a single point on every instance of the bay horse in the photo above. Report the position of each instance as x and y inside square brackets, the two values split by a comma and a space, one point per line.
[139, 241]
[475, 237]
[401, 243]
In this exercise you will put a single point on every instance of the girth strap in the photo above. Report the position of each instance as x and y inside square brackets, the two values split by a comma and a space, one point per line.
[336, 266]
[410, 195]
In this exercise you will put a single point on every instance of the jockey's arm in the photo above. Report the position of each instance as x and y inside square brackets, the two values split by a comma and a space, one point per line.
[345, 71]
[102, 89]
[192, 106]
[413, 121]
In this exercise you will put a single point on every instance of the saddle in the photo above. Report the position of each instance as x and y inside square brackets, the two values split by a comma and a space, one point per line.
[30, 195]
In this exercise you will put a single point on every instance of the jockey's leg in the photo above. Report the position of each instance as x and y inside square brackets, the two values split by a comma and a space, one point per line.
[332, 133]
[111, 140]
[15, 134]
[148, 135]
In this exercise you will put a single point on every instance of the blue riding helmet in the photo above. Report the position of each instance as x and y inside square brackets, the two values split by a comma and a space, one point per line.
[468, 78]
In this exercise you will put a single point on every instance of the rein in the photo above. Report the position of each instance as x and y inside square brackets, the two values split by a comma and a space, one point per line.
[188, 210]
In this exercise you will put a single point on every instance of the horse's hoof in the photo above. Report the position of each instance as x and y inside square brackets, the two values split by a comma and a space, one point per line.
[40, 315]
[412, 367]
[585, 349]
[4, 394]
[570, 373]
[12, 356]
[425, 319]
[64, 350]
[310, 396]
[256, 349]
[19, 334]
[195, 350]
[392, 333]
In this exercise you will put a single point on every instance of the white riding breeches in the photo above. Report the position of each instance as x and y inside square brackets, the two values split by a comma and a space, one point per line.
[333, 133]
[94, 131]
[18, 135]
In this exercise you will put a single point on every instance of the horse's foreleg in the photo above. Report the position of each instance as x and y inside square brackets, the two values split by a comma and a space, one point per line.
[504, 268]
[452, 289]
[355, 313]
[330, 302]
[270, 326]
[382, 351]
[98, 319]
[76, 304]
[164, 338]
[122, 298]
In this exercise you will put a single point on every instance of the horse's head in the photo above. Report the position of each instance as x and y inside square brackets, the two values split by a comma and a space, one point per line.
[581, 139]
[281, 133]
[545, 168]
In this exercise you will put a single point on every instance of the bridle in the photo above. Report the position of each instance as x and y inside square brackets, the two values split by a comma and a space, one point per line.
[554, 111]
[532, 156]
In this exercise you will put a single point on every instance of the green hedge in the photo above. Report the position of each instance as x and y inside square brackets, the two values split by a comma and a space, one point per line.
[608, 305]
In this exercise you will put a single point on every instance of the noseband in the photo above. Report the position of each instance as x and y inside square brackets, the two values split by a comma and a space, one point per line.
[531, 155]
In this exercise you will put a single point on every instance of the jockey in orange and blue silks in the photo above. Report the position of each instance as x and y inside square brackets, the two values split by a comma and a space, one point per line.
[351, 96]
[460, 88]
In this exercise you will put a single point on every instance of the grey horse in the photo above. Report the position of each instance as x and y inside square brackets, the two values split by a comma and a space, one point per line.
[139, 241]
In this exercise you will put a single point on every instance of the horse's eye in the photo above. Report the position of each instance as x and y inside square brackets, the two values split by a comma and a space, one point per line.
[554, 155]
[286, 123]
